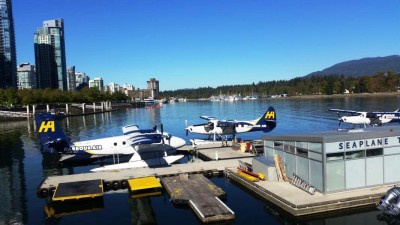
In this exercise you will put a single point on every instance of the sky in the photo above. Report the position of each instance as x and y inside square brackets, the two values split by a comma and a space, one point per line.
[201, 43]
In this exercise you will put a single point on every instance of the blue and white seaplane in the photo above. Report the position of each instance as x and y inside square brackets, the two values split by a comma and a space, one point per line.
[148, 148]
[215, 127]
[362, 118]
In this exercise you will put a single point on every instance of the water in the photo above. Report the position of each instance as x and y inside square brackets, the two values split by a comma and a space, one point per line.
[22, 167]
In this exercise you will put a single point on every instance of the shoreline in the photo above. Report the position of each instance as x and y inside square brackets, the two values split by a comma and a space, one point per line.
[356, 95]
[379, 94]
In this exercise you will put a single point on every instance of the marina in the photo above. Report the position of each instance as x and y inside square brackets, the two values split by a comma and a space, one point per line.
[277, 201]
[181, 181]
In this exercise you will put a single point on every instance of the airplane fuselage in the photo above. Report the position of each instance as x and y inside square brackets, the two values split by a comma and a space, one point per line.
[366, 119]
[212, 127]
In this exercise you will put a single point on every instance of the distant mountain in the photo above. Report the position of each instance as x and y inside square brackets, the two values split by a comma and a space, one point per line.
[363, 67]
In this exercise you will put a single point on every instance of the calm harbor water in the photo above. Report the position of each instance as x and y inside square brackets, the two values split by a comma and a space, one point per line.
[22, 166]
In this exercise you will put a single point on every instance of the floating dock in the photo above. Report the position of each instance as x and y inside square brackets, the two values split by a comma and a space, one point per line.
[296, 202]
[288, 198]
[144, 186]
[201, 194]
[78, 190]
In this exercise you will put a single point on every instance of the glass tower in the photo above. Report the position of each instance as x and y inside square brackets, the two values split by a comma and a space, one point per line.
[50, 60]
[8, 56]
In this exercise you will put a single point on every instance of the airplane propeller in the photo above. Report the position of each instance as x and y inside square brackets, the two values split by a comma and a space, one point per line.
[162, 132]
[186, 127]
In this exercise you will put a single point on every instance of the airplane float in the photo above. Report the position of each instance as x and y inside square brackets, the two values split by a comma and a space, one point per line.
[148, 147]
[215, 127]
[367, 118]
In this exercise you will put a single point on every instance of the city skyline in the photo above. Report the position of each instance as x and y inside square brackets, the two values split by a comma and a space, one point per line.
[190, 44]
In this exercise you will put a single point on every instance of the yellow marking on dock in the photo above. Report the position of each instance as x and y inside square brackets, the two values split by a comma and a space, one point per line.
[78, 190]
[144, 183]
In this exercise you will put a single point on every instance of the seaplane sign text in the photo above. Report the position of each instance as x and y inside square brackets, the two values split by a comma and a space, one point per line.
[369, 143]
[349, 145]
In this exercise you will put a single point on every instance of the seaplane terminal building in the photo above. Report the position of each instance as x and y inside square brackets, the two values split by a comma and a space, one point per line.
[340, 160]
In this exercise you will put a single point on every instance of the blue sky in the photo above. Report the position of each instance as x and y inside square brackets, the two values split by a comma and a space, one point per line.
[199, 43]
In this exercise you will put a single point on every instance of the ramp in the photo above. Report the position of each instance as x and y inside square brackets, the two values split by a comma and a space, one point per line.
[201, 194]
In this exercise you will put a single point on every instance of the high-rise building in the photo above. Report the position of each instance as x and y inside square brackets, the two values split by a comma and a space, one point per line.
[113, 87]
[81, 80]
[8, 56]
[153, 86]
[97, 82]
[51, 68]
[26, 76]
[71, 83]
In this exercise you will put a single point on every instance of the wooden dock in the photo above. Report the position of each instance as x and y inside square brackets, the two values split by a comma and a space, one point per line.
[201, 194]
[116, 177]
[294, 201]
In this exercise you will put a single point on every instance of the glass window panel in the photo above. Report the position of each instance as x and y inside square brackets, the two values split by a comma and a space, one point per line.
[355, 154]
[302, 152]
[316, 178]
[335, 176]
[269, 151]
[355, 173]
[374, 152]
[392, 150]
[302, 168]
[391, 168]
[288, 146]
[314, 155]
[300, 144]
[290, 164]
[334, 156]
[269, 143]
[374, 171]
[278, 145]
[316, 147]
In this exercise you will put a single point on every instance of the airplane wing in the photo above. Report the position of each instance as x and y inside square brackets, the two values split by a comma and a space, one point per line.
[345, 111]
[385, 113]
[207, 117]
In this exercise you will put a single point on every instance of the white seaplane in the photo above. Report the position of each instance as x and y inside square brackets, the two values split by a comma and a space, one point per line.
[215, 127]
[362, 118]
[147, 147]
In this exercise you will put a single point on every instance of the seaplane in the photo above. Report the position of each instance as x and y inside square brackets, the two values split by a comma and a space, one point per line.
[145, 147]
[363, 118]
[216, 128]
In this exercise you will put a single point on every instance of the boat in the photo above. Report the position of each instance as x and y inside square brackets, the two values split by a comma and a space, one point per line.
[390, 202]
[149, 101]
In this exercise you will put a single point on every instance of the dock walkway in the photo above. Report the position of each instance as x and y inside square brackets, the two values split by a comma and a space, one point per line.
[117, 175]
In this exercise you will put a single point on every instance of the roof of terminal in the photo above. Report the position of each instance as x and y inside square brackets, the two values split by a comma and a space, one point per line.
[338, 135]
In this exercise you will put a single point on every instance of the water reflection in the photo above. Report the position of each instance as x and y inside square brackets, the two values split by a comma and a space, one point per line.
[13, 208]
[368, 215]
[142, 211]
[59, 209]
